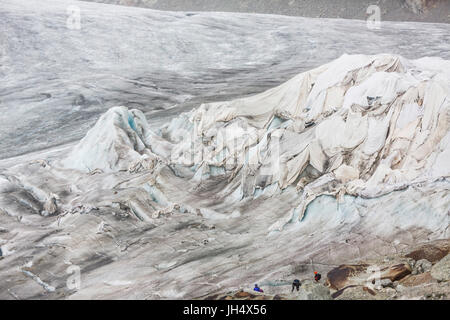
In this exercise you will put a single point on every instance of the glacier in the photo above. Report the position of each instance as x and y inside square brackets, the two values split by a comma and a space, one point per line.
[293, 145]
[345, 162]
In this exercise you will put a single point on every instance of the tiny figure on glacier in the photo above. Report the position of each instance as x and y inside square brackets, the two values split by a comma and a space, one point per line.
[258, 289]
[317, 276]
[296, 285]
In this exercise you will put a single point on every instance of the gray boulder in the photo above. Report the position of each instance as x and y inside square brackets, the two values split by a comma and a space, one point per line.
[441, 270]
[364, 293]
[313, 291]
[50, 206]
[423, 265]
[386, 283]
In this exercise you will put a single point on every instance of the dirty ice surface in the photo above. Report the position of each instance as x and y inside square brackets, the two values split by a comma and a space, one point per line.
[158, 190]
[57, 81]
[341, 163]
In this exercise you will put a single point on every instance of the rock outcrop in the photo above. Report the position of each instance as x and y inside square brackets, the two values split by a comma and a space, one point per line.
[340, 277]
[396, 272]
[441, 270]
[432, 252]
[311, 290]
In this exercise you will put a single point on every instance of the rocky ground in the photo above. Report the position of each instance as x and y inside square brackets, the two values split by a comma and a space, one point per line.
[391, 10]
[420, 273]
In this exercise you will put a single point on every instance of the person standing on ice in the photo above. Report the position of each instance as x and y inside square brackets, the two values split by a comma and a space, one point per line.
[296, 284]
[317, 276]
[257, 289]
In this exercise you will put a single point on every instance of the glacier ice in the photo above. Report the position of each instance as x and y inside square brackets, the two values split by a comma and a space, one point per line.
[366, 122]
[363, 125]
[118, 141]
[343, 162]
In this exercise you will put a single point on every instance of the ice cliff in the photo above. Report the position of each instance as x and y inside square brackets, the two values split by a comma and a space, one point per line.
[360, 125]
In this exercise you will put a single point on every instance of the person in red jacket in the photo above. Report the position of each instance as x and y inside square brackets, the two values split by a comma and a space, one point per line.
[317, 276]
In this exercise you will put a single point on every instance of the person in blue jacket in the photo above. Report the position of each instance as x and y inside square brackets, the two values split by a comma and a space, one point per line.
[257, 289]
